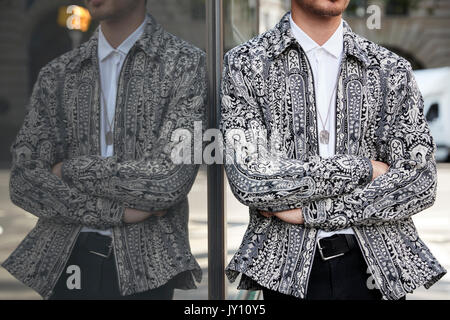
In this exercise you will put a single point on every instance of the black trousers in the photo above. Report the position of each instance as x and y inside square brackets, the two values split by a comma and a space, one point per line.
[341, 278]
[98, 274]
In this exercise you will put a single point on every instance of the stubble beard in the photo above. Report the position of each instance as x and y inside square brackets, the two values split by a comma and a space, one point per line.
[312, 7]
[99, 14]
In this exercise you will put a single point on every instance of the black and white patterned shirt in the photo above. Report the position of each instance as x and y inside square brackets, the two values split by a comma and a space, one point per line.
[269, 122]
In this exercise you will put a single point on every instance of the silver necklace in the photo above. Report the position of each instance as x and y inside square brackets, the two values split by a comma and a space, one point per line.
[324, 135]
[109, 137]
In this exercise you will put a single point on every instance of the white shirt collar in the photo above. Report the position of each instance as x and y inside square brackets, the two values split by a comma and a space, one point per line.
[334, 45]
[105, 49]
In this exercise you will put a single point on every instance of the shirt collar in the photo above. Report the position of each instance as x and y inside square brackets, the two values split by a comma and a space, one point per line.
[334, 45]
[281, 38]
[149, 42]
[105, 49]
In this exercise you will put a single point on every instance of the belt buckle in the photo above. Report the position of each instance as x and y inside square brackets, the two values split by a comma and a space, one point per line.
[106, 256]
[322, 255]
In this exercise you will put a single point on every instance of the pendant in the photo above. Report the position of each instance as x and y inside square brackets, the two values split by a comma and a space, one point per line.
[324, 137]
[109, 139]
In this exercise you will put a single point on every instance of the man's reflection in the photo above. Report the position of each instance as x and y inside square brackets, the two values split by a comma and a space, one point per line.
[93, 162]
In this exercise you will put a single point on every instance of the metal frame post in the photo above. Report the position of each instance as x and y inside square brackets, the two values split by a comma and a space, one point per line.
[216, 201]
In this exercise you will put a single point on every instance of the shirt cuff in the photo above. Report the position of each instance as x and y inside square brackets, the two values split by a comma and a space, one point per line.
[111, 212]
[364, 171]
[68, 172]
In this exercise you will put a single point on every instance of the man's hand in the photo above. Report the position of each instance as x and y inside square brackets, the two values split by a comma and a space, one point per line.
[136, 216]
[267, 214]
[379, 168]
[294, 216]
[56, 170]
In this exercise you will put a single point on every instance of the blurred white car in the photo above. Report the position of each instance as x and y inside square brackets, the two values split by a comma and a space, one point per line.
[435, 87]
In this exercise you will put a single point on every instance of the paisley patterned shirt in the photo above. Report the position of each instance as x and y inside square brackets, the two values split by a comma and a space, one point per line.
[269, 124]
[162, 87]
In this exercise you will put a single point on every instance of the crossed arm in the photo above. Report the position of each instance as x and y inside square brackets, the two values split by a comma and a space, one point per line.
[130, 215]
[91, 190]
[295, 216]
[402, 186]
[406, 188]
[267, 179]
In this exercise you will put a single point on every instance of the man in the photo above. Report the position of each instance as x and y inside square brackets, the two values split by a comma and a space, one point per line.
[93, 162]
[328, 146]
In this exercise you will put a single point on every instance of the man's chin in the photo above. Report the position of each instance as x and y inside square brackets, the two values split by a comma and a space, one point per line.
[333, 13]
[94, 3]
[323, 10]
[96, 9]
[99, 14]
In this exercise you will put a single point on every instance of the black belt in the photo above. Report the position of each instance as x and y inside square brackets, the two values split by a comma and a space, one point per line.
[96, 243]
[335, 246]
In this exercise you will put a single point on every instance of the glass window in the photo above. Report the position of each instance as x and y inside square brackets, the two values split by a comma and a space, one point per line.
[204, 227]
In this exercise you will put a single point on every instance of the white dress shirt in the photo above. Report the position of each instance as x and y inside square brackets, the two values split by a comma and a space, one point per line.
[110, 63]
[325, 62]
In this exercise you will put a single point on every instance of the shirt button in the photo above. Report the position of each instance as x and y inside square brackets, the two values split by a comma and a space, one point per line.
[320, 52]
